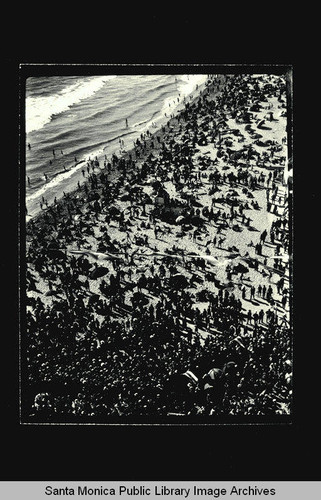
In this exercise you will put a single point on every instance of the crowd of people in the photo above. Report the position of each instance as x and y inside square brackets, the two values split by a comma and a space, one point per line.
[139, 302]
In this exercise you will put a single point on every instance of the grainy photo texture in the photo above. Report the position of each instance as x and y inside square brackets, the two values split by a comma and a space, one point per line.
[157, 248]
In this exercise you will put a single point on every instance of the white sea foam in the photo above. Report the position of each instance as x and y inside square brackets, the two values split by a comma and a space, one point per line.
[63, 176]
[53, 182]
[40, 110]
[186, 85]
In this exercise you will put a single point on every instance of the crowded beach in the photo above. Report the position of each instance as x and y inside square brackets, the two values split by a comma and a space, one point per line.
[161, 287]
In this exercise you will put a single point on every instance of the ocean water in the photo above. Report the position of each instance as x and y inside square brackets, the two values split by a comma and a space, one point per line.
[71, 119]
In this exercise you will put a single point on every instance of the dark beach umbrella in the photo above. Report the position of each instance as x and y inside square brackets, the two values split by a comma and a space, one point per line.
[56, 254]
[140, 297]
[125, 197]
[94, 298]
[197, 221]
[113, 210]
[53, 245]
[135, 189]
[240, 268]
[178, 281]
[229, 367]
[98, 272]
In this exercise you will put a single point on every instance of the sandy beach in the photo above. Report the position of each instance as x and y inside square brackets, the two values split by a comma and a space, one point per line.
[169, 261]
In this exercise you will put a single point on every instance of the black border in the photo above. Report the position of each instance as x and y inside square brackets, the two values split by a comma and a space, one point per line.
[274, 452]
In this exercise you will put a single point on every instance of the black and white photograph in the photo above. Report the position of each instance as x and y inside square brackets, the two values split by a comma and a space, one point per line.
[156, 245]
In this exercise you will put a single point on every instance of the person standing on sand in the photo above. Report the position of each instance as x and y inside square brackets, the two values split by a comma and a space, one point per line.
[29, 147]
[28, 178]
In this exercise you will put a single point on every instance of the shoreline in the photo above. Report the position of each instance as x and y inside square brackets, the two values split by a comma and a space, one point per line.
[162, 120]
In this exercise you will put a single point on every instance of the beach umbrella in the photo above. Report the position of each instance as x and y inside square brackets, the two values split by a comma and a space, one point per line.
[56, 254]
[53, 245]
[197, 221]
[214, 374]
[238, 341]
[42, 400]
[179, 281]
[233, 193]
[113, 210]
[212, 379]
[191, 377]
[229, 366]
[98, 272]
[240, 268]
[125, 197]
[140, 297]
[94, 298]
